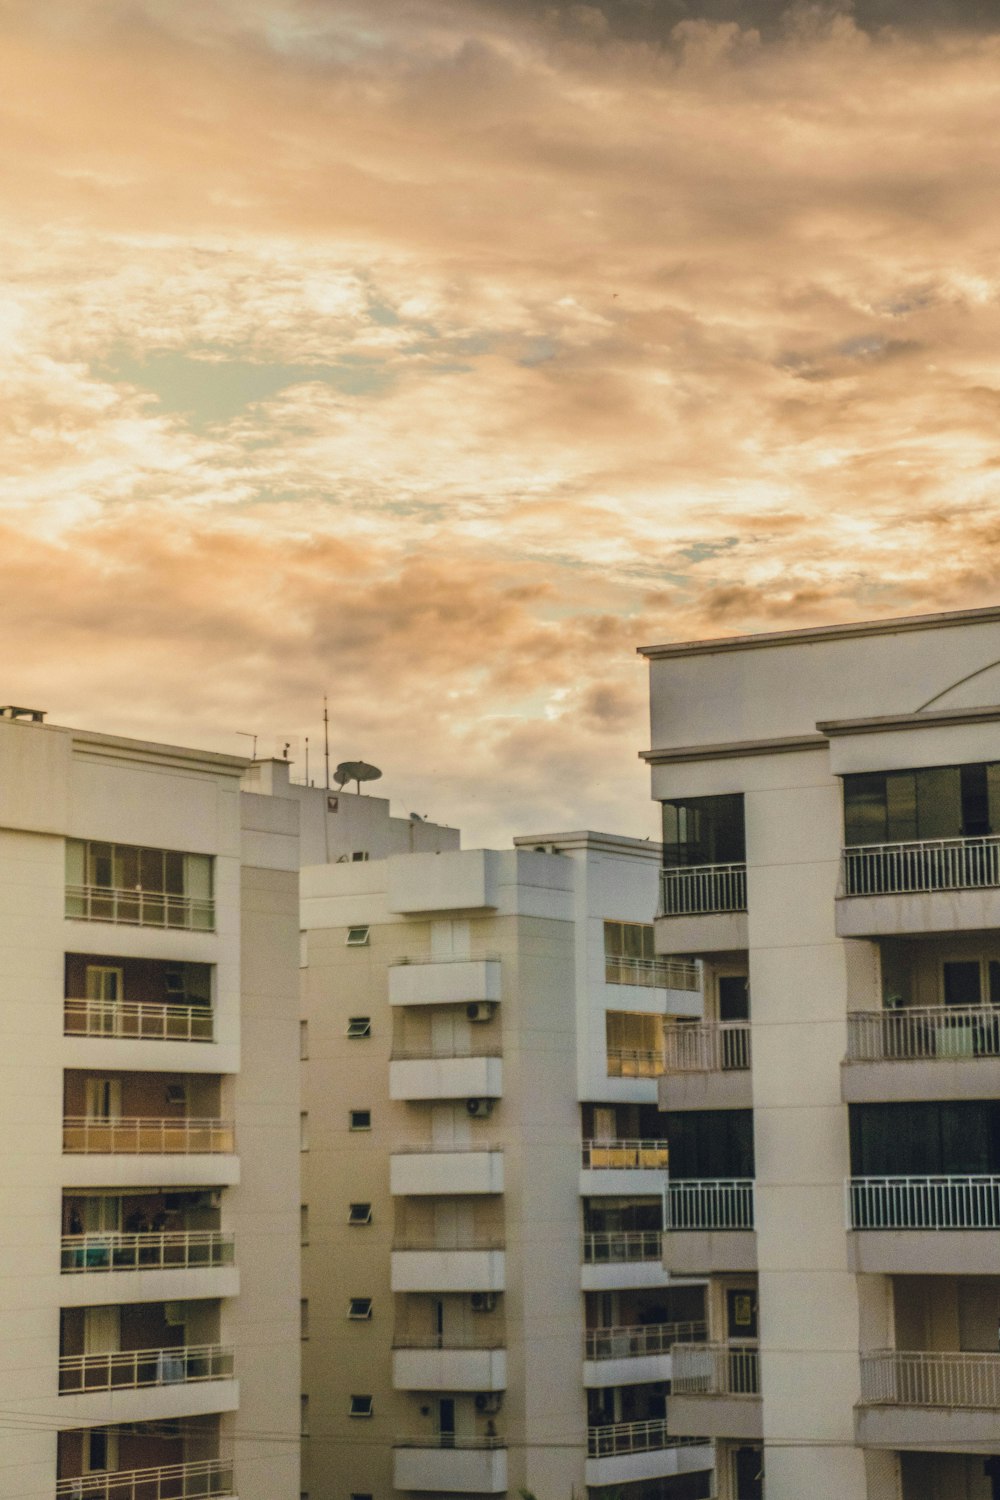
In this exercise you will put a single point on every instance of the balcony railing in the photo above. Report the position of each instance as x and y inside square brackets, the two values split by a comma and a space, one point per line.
[707, 1047]
[914, 1034]
[472, 1046]
[703, 890]
[173, 1249]
[144, 1020]
[635, 1062]
[464, 1338]
[922, 1378]
[652, 973]
[710, 1203]
[634, 1437]
[450, 1440]
[197, 1480]
[138, 908]
[715, 1370]
[456, 1239]
[632, 1342]
[130, 1369]
[448, 958]
[187, 1136]
[433, 1148]
[626, 1155]
[923, 1202]
[612, 1247]
[927, 865]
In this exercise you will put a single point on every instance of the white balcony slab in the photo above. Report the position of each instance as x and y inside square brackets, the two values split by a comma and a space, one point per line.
[446, 1078]
[924, 1252]
[632, 1370]
[128, 1054]
[172, 1284]
[444, 1173]
[620, 1275]
[477, 1471]
[449, 1369]
[694, 1252]
[149, 1170]
[617, 1182]
[153, 1403]
[448, 1270]
[731, 1089]
[924, 1078]
[720, 932]
[661, 1463]
[457, 982]
[923, 912]
[738, 1417]
[927, 1428]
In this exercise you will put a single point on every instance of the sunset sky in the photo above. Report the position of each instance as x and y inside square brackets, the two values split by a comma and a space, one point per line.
[434, 354]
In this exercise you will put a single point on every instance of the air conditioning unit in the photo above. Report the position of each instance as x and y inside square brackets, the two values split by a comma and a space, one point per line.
[488, 1402]
[478, 1109]
[480, 1010]
[483, 1301]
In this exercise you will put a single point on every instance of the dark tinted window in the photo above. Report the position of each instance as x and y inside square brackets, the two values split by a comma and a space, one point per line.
[704, 831]
[710, 1143]
[935, 802]
[921, 1139]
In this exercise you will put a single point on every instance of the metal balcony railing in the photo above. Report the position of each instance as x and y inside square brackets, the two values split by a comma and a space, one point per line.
[458, 1239]
[707, 1047]
[612, 1247]
[632, 1342]
[465, 1047]
[173, 1249]
[130, 1369]
[634, 1437]
[450, 1440]
[915, 1034]
[924, 865]
[138, 908]
[635, 1062]
[652, 973]
[188, 1136]
[703, 890]
[143, 1020]
[921, 1378]
[716, 1370]
[943, 1202]
[197, 1480]
[710, 1203]
[626, 1155]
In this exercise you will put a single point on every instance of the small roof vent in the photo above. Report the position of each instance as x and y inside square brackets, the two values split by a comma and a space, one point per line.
[13, 711]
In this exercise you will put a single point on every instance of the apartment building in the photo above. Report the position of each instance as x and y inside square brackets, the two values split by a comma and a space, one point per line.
[484, 1168]
[149, 1297]
[831, 826]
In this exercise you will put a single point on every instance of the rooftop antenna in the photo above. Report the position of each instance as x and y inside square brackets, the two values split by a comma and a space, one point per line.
[326, 743]
[307, 760]
[245, 734]
[356, 771]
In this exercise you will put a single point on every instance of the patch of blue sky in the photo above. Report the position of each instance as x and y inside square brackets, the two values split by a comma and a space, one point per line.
[700, 551]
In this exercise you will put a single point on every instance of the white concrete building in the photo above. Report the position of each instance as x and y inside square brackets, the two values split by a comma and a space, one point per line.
[486, 1306]
[149, 1297]
[831, 825]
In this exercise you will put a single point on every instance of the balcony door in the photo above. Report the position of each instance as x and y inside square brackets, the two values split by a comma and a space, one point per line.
[103, 1099]
[102, 1214]
[104, 983]
[446, 1421]
[102, 1330]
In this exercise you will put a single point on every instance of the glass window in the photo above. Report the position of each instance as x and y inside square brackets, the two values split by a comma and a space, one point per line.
[357, 937]
[359, 1026]
[360, 1213]
[939, 803]
[704, 831]
[361, 1406]
[864, 809]
[710, 1143]
[361, 1119]
[901, 807]
[359, 1309]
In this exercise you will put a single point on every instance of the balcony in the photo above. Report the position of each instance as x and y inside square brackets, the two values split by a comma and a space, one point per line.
[924, 1225]
[931, 885]
[131, 1369]
[706, 1065]
[450, 1464]
[603, 1162]
[473, 1362]
[923, 1399]
[472, 1070]
[628, 1355]
[710, 1225]
[185, 1249]
[652, 973]
[615, 1259]
[444, 981]
[133, 907]
[631, 1451]
[138, 1021]
[716, 1391]
[950, 1052]
[702, 909]
[186, 1135]
[472, 1265]
[197, 1480]
[445, 1170]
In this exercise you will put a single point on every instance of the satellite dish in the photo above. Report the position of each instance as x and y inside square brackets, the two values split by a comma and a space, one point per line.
[357, 771]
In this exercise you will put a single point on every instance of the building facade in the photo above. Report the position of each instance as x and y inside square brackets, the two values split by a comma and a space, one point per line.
[831, 815]
[149, 1299]
[486, 1306]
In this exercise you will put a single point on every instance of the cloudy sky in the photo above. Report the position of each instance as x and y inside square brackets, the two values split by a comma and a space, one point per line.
[434, 354]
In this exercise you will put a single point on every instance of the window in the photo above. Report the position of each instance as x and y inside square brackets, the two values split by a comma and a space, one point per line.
[303, 1040]
[361, 1406]
[361, 1497]
[304, 1130]
[359, 1309]
[361, 1119]
[304, 1317]
[140, 887]
[360, 1213]
[629, 956]
[357, 937]
[359, 1026]
[304, 1416]
[710, 1143]
[101, 1450]
[933, 802]
[359, 856]
[704, 831]
[303, 1223]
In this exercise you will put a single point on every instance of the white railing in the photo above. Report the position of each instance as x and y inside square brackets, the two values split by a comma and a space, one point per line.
[467, 1047]
[652, 973]
[634, 1437]
[635, 1062]
[145, 1020]
[632, 1342]
[927, 865]
[133, 1368]
[450, 1440]
[186, 1481]
[613, 1247]
[186, 1135]
[916, 1033]
[943, 1202]
[715, 1370]
[465, 1338]
[137, 908]
[458, 1239]
[172, 1249]
[922, 1378]
[432, 1148]
[701, 890]
[707, 1047]
[710, 1203]
[449, 958]
[625, 1155]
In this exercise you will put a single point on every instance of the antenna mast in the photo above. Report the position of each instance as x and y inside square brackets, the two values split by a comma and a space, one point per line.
[326, 742]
